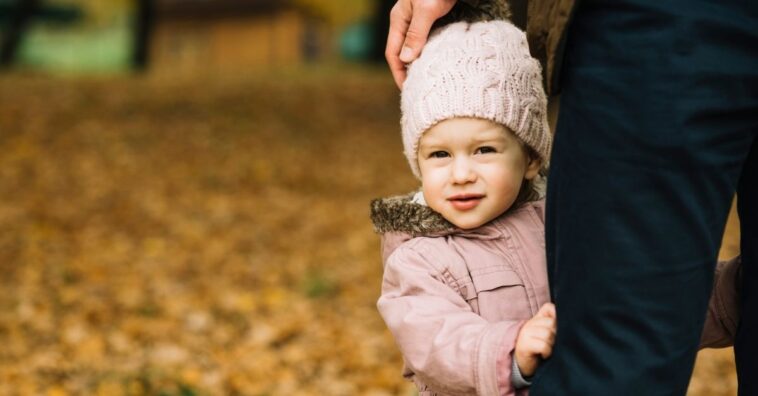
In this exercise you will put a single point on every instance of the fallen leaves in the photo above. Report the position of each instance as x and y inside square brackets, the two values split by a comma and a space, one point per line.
[200, 237]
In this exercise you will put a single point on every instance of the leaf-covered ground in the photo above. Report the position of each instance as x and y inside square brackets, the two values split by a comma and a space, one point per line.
[204, 237]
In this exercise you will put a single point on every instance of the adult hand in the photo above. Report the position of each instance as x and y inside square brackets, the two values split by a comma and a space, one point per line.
[410, 23]
[535, 340]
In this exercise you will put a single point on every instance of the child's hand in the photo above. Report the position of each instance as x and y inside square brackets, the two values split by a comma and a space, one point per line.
[535, 340]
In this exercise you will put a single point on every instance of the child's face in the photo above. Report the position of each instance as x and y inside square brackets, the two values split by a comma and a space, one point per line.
[472, 170]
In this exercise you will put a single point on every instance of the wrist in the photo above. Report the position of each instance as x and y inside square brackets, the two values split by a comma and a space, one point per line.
[526, 364]
[518, 379]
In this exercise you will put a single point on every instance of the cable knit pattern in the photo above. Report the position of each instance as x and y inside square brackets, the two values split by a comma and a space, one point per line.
[482, 70]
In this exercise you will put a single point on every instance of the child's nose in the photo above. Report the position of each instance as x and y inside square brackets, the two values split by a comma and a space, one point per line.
[463, 172]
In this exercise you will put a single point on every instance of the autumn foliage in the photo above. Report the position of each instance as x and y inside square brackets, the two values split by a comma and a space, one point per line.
[203, 237]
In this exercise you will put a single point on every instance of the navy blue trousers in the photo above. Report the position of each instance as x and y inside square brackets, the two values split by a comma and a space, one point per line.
[657, 131]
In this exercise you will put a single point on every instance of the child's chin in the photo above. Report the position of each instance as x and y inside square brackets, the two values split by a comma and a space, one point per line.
[467, 224]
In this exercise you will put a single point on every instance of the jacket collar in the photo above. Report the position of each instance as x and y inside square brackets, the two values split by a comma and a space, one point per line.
[408, 214]
[405, 215]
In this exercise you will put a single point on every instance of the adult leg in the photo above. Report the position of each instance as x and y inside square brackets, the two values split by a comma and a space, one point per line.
[657, 118]
[746, 343]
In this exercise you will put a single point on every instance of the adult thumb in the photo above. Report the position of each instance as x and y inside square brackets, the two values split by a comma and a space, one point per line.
[417, 34]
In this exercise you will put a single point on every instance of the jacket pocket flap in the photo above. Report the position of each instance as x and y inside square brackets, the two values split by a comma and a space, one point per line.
[494, 280]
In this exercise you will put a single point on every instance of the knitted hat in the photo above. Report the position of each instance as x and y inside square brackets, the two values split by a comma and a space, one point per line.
[480, 70]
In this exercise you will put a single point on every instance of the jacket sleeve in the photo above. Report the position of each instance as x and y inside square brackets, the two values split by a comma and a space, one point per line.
[444, 343]
[722, 317]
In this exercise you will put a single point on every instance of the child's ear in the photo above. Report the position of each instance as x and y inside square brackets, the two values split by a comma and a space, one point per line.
[532, 168]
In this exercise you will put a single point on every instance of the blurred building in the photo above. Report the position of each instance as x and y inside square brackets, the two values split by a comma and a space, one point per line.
[62, 36]
[232, 36]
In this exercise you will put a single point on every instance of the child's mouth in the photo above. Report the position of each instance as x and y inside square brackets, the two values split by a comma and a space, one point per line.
[465, 202]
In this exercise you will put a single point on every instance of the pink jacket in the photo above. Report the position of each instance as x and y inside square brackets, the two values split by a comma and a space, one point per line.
[455, 300]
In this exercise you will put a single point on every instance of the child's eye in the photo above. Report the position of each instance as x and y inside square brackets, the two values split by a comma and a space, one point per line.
[485, 150]
[439, 154]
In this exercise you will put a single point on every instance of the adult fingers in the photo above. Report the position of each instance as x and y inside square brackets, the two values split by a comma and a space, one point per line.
[424, 15]
[400, 18]
[410, 23]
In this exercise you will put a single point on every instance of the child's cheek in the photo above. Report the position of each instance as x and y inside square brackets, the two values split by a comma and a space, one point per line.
[434, 178]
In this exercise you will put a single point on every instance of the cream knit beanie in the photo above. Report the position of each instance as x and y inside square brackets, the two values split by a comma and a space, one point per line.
[481, 70]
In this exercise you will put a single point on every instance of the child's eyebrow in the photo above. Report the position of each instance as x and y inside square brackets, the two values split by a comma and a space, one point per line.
[431, 143]
[489, 136]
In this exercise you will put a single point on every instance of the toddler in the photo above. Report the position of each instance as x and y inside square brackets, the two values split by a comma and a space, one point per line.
[465, 289]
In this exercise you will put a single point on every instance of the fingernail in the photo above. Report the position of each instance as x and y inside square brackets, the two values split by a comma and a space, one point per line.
[406, 55]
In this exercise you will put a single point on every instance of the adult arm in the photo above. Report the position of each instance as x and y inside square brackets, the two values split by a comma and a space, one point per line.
[723, 314]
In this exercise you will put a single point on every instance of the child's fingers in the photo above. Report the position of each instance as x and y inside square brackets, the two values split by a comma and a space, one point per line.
[547, 351]
[542, 322]
[542, 334]
[547, 310]
[538, 347]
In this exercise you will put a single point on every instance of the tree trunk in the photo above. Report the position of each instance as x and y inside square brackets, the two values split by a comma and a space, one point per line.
[144, 18]
[381, 29]
[21, 17]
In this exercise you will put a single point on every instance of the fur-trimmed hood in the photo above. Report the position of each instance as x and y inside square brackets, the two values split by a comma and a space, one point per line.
[402, 214]
[476, 11]
[405, 214]
[404, 217]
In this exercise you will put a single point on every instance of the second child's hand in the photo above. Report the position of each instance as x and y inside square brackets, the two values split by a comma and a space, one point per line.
[410, 23]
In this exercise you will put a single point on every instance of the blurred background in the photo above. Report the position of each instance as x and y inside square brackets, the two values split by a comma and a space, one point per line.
[184, 190]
